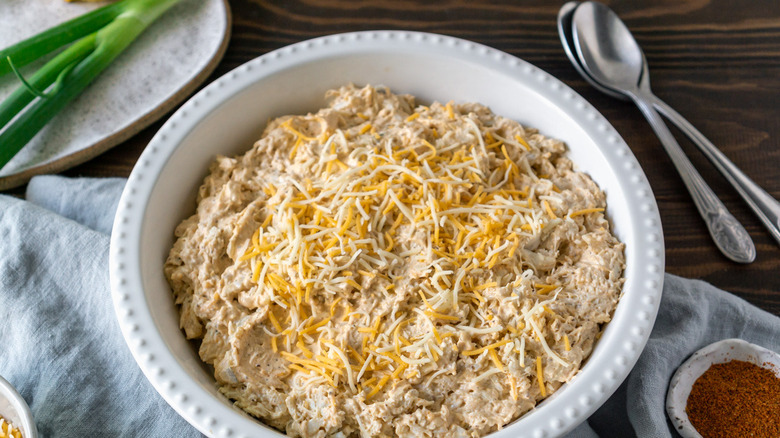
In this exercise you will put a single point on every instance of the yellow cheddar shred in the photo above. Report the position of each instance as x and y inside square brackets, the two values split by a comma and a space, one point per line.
[496, 360]
[586, 211]
[487, 347]
[540, 376]
[331, 238]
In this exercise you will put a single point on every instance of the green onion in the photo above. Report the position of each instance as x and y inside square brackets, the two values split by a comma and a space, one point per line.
[97, 38]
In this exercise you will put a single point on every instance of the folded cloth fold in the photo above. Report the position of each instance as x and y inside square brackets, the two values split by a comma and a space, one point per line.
[64, 352]
[62, 347]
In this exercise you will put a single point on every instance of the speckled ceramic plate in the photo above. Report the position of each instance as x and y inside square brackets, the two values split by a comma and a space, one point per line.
[718, 352]
[156, 73]
[228, 115]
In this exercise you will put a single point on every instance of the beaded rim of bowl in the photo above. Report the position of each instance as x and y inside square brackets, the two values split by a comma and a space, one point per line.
[556, 415]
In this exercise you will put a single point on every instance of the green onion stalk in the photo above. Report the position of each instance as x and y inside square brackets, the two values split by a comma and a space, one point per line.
[95, 39]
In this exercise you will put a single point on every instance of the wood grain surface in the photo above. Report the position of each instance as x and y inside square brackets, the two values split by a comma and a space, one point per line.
[716, 61]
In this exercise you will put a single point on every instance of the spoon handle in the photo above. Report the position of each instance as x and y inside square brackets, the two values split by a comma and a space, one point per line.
[762, 203]
[729, 235]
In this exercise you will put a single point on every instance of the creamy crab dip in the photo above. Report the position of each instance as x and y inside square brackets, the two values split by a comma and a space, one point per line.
[384, 268]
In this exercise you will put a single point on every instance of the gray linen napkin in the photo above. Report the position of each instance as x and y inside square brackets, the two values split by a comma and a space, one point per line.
[65, 354]
[61, 345]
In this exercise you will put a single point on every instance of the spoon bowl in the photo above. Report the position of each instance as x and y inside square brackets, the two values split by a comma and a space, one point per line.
[608, 50]
[567, 41]
[762, 203]
[609, 54]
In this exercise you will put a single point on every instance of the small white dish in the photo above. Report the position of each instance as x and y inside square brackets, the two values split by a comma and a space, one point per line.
[15, 410]
[719, 352]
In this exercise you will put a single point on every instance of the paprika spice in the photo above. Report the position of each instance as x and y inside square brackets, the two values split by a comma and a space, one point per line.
[736, 399]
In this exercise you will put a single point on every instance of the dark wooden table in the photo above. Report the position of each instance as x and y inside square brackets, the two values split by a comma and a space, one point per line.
[717, 62]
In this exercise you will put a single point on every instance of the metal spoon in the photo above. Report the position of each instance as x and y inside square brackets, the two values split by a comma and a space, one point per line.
[762, 203]
[611, 56]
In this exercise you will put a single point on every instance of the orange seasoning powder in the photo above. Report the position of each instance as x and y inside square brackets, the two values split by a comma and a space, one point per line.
[736, 399]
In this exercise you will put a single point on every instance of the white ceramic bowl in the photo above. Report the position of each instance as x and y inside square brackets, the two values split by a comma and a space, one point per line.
[228, 115]
[690, 371]
[15, 410]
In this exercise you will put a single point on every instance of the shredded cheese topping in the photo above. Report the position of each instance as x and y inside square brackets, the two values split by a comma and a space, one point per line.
[343, 227]
[395, 244]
